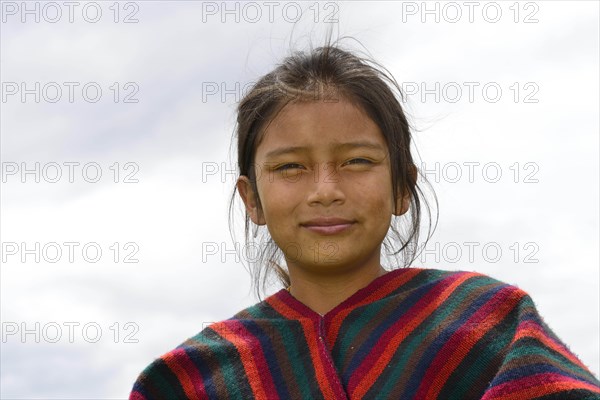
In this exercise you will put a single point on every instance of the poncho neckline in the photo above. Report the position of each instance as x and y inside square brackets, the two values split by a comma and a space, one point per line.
[374, 290]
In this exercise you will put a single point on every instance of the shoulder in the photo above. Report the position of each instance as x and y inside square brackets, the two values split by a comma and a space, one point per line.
[468, 290]
[179, 373]
[465, 280]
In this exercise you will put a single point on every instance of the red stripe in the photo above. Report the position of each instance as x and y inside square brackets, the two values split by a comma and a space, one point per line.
[461, 342]
[324, 377]
[370, 297]
[192, 371]
[383, 351]
[246, 356]
[171, 359]
[261, 362]
[292, 309]
[536, 386]
[135, 395]
[531, 329]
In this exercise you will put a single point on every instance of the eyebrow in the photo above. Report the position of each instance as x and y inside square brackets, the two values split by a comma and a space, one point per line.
[339, 146]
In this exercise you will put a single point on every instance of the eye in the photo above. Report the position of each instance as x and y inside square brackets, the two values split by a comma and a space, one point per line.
[288, 166]
[358, 161]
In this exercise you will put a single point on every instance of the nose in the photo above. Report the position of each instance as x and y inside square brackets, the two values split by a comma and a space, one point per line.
[326, 187]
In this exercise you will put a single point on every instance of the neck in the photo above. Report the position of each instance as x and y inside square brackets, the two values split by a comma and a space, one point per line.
[323, 293]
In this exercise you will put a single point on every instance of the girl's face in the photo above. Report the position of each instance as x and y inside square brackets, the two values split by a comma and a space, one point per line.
[324, 184]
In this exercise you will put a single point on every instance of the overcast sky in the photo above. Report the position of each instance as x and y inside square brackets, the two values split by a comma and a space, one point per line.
[117, 249]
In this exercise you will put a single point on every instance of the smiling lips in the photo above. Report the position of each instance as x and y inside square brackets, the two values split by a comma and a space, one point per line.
[327, 225]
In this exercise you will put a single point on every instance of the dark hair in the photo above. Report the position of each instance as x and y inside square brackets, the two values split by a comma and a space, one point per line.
[317, 75]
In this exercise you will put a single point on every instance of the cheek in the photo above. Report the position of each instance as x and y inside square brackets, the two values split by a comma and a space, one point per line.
[376, 194]
[278, 201]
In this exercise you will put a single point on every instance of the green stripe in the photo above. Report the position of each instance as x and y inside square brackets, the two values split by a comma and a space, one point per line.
[529, 346]
[369, 311]
[158, 378]
[290, 343]
[474, 372]
[425, 331]
[219, 349]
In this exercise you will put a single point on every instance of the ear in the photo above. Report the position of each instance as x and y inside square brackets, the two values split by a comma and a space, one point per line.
[403, 199]
[249, 197]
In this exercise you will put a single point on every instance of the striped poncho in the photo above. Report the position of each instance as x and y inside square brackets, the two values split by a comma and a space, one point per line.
[409, 334]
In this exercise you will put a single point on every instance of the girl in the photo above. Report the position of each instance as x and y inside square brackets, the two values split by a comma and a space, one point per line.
[325, 166]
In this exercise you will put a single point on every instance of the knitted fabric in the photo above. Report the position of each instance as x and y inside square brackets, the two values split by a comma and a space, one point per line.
[409, 334]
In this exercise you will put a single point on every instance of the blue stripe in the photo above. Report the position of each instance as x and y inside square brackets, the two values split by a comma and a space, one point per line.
[537, 368]
[367, 347]
[269, 355]
[438, 343]
[196, 356]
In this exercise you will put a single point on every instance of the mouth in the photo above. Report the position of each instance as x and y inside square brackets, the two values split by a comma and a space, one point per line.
[328, 225]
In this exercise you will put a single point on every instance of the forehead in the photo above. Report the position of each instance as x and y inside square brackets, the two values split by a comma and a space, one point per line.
[320, 122]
